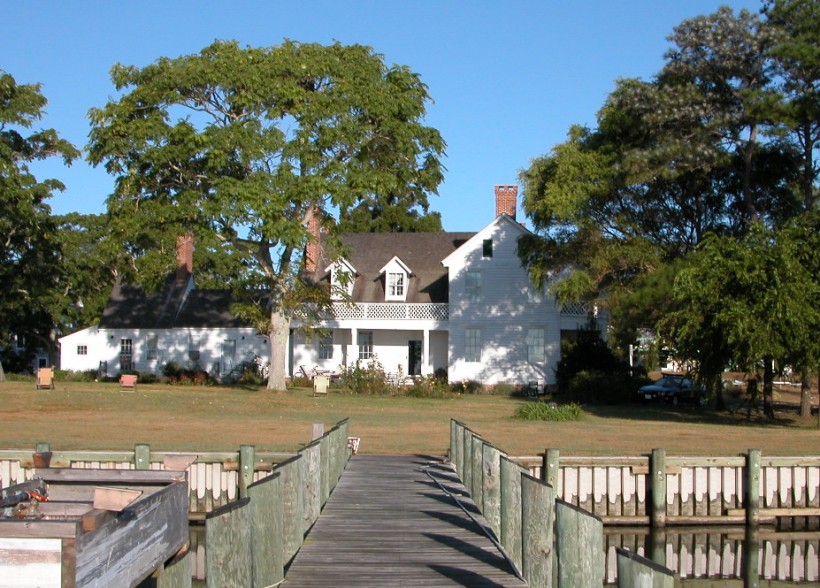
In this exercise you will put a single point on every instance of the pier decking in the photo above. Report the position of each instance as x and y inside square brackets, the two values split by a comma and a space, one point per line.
[389, 523]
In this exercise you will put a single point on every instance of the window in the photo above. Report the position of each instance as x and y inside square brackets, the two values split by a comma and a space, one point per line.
[193, 347]
[365, 342]
[395, 285]
[535, 346]
[82, 349]
[126, 364]
[472, 345]
[152, 347]
[487, 248]
[326, 347]
[472, 286]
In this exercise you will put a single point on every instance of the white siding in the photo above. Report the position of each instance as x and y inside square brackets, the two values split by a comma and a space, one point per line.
[505, 312]
[172, 345]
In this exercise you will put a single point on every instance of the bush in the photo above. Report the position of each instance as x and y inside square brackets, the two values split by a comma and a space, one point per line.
[364, 378]
[429, 387]
[590, 373]
[593, 387]
[549, 411]
[504, 389]
[74, 376]
[468, 387]
[176, 374]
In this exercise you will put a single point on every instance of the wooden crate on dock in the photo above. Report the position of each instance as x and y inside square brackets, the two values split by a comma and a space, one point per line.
[66, 542]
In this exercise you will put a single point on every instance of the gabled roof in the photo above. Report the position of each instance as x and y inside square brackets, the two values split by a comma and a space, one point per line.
[422, 252]
[130, 307]
[399, 263]
[476, 239]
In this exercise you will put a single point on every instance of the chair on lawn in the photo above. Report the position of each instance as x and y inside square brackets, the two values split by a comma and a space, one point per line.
[45, 378]
[128, 383]
[320, 385]
[533, 389]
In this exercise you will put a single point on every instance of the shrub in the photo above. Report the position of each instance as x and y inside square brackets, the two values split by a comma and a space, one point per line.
[176, 374]
[428, 387]
[590, 373]
[74, 376]
[364, 378]
[468, 387]
[504, 389]
[549, 411]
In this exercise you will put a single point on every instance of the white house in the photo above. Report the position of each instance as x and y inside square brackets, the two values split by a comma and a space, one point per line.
[418, 303]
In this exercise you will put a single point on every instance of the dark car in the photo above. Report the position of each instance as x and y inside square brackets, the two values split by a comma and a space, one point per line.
[671, 389]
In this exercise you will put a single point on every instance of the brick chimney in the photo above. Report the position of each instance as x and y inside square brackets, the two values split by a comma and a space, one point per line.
[185, 256]
[505, 200]
[312, 251]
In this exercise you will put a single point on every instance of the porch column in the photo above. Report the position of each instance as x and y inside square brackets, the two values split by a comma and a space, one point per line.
[353, 355]
[425, 353]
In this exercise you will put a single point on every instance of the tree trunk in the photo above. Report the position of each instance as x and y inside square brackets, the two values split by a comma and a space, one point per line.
[2, 373]
[768, 386]
[805, 395]
[278, 335]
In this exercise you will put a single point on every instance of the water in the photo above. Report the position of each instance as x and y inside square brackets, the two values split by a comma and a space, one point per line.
[713, 553]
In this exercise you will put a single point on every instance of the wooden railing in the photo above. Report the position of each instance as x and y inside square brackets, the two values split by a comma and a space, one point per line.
[683, 490]
[550, 541]
[215, 478]
[585, 493]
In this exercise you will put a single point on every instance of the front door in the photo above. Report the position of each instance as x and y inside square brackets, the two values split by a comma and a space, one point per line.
[414, 358]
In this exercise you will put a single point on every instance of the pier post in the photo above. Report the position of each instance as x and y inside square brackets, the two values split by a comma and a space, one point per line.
[549, 468]
[752, 484]
[657, 477]
[247, 456]
[142, 456]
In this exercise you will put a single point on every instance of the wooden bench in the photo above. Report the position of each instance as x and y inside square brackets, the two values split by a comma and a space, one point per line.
[128, 383]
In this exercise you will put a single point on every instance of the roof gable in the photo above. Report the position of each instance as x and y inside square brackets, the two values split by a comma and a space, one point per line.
[501, 222]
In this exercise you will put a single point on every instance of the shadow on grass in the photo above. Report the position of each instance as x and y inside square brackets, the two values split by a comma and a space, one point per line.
[785, 415]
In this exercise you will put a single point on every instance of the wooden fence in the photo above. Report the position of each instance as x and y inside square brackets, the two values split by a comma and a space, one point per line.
[551, 542]
[685, 490]
[214, 478]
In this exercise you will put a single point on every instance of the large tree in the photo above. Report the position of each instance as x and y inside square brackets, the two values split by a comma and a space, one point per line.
[29, 248]
[749, 301]
[689, 153]
[248, 146]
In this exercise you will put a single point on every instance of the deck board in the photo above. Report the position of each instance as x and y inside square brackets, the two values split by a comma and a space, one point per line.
[388, 524]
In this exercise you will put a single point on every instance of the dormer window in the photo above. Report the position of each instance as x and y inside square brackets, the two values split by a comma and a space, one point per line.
[396, 276]
[395, 285]
[342, 278]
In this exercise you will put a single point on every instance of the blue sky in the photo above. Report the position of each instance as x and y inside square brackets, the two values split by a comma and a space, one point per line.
[508, 77]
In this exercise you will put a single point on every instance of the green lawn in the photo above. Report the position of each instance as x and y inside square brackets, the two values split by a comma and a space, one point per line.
[99, 416]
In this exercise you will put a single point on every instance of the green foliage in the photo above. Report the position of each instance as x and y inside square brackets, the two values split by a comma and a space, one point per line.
[467, 387]
[365, 378]
[178, 375]
[549, 411]
[30, 272]
[590, 373]
[245, 146]
[75, 376]
[428, 387]
[744, 301]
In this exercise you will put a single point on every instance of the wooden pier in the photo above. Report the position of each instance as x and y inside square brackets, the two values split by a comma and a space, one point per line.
[396, 521]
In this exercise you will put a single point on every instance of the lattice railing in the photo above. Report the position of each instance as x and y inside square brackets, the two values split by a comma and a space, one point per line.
[385, 311]
[576, 308]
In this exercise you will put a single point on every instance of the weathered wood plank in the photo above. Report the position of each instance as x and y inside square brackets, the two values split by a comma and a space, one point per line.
[391, 522]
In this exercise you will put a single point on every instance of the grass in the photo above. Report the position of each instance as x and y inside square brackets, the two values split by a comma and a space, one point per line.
[87, 415]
